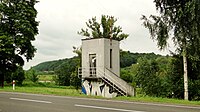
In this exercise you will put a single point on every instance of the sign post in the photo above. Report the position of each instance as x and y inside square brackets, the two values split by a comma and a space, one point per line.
[13, 84]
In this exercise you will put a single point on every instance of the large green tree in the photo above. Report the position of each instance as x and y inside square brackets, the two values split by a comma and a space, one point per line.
[18, 28]
[66, 71]
[18, 76]
[182, 18]
[104, 29]
[151, 76]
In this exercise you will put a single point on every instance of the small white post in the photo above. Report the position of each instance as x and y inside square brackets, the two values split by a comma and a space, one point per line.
[13, 84]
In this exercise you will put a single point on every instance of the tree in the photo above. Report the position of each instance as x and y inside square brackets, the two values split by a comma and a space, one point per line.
[147, 77]
[65, 70]
[74, 80]
[175, 78]
[77, 51]
[127, 58]
[126, 75]
[18, 76]
[33, 75]
[183, 19]
[17, 31]
[152, 76]
[104, 29]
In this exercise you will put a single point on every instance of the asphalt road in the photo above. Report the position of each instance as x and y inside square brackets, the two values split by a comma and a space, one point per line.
[21, 102]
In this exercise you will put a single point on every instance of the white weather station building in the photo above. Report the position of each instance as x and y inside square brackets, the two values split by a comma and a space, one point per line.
[100, 71]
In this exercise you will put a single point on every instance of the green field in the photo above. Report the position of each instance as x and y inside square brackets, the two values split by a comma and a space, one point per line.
[46, 77]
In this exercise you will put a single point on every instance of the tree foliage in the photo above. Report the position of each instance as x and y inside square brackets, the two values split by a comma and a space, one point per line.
[182, 17]
[77, 51]
[162, 77]
[152, 76]
[75, 80]
[128, 58]
[175, 78]
[17, 31]
[18, 76]
[32, 75]
[50, 65]
[104, 29]
[147, 77]
[65, 71]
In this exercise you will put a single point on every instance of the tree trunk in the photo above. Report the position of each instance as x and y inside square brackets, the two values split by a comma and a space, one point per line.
[2, 80]
[185, 77]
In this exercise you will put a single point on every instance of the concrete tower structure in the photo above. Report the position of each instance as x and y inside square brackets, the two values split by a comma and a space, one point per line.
[100, 71]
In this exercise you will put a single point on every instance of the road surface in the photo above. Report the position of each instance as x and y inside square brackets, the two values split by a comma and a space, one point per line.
[22, 102]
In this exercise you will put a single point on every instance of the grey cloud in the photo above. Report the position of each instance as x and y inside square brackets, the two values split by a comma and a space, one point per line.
[61, 19]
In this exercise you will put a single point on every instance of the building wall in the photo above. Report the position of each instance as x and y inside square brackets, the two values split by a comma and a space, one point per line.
[101, 47]
[92, 46]
[97, 88]
[114, 45]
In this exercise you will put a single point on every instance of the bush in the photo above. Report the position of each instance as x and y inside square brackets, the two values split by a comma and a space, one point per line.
[31, 75]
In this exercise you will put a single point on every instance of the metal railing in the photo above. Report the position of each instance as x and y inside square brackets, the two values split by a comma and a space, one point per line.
[90, 71]
[109, 77]
[112, 82]
[120, 82]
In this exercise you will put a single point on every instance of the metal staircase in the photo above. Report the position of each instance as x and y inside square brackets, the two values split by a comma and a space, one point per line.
[111, 79]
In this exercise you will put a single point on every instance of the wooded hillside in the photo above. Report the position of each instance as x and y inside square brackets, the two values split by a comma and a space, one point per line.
[127, 58]
[155, 75]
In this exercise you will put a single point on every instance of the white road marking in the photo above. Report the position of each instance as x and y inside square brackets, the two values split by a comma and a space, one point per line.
[106, 108]
[30, 100]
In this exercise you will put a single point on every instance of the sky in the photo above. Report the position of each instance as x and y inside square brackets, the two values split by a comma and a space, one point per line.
[60, 20]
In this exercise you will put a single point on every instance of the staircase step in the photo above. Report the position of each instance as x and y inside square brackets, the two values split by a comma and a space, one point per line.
[121, 92]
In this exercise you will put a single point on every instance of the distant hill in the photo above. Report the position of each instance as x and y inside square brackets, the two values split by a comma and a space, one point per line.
[126, 59]
[52, 65]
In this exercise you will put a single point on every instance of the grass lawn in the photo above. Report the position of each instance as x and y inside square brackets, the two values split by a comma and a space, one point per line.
[159, 100]
[64, 91]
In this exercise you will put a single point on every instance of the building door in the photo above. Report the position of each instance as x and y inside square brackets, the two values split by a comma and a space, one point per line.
[92, 61]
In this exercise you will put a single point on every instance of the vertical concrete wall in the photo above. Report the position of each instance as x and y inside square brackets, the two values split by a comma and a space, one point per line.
[114, 45]
[101, 47]
[98, 88]
[92, 46]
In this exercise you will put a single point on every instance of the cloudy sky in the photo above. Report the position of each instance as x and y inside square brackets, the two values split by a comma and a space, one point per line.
[61, 19]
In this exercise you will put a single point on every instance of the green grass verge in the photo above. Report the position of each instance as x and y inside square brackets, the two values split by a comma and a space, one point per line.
[46, 88]
[64, 91]
[159, 100]
[52, 89]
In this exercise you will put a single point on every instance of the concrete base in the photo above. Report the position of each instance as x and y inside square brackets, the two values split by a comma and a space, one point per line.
[97, 87]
